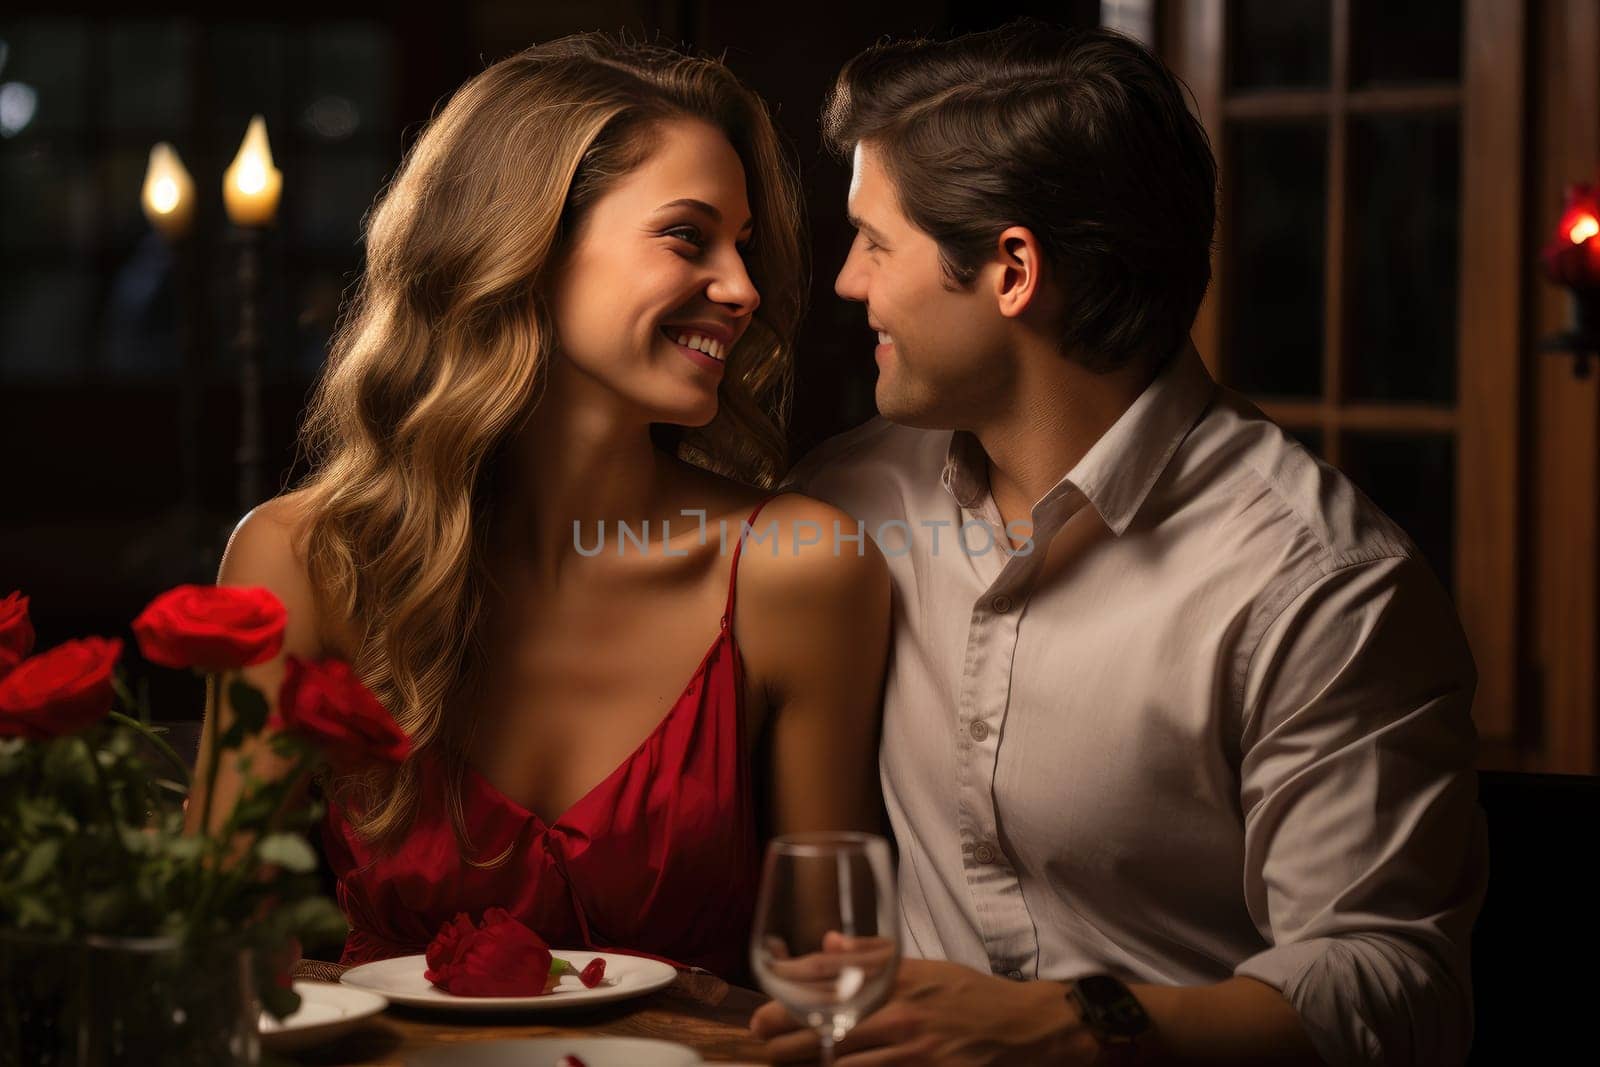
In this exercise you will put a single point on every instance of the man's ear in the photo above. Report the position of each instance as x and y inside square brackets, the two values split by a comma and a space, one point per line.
[1019, 282]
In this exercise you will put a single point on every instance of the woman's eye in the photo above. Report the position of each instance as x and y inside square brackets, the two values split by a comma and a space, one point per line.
[687, 234]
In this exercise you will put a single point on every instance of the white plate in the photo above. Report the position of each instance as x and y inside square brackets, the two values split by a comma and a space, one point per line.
[402, 982]
[326, 1011]
[547, 1052]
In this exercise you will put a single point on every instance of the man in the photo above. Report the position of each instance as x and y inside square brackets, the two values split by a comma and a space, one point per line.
[1177, 749]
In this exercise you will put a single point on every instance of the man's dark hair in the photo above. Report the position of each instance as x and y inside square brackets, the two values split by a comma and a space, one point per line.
[1081, 136]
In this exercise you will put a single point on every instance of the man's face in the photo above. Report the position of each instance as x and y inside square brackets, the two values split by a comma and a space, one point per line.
[941, 355]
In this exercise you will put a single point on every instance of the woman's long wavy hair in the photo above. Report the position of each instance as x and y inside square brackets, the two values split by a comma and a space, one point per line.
[440, 355]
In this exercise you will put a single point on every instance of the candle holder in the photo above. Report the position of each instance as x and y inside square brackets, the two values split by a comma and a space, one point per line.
[1582, 342]
[250, 190]
[1572, 260]
[183, 547]
[248, 344]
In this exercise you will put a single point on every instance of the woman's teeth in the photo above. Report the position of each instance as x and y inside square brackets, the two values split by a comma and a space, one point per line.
[884, 339]
[712, 348]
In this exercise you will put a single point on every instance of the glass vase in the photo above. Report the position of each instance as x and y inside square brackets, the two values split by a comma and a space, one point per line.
[96, 1001]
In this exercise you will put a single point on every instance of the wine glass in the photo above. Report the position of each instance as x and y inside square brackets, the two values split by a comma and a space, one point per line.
[826, 940]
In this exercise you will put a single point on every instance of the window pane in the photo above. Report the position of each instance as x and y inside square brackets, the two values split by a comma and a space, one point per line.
[1279, 44]
[1275, 222]
[250, 63]
[45, 320]
[123, 183]
[50, 199]
[147, 77]
[321, 292]
[44, 80]
[350, 84]
[141, 328]
[334, 193]
[1405, 43]
[1404, 210]
[1413, 479]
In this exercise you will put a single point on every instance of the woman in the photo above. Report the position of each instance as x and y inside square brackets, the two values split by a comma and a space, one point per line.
[586, 273]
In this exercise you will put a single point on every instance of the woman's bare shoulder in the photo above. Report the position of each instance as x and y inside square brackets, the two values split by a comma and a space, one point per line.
[267, 549]
[266, 544]
[804, 566]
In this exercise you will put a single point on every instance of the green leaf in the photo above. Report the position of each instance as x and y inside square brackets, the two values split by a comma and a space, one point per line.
[249, 706]
[288, 851]
[184, 848]
[316, 921]
[137, 841]
[41, 860]
[278, 1000]
[105, 909]
[232, 737]
[66, 766]
[33, 913]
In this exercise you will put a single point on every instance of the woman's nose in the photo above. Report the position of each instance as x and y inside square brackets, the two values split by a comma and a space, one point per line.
[733, 288]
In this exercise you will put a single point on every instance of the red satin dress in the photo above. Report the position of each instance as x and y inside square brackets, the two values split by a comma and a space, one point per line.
[659, 859]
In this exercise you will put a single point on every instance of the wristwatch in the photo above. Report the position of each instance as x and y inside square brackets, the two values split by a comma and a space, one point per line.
[1111, 1013]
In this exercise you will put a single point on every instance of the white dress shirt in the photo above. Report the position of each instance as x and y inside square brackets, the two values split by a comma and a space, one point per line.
[1229, 735]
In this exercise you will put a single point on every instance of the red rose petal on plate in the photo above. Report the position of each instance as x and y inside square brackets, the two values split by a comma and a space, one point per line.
[593, 974]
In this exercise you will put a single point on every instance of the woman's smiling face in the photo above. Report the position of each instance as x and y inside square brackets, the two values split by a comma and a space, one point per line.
[654, 293]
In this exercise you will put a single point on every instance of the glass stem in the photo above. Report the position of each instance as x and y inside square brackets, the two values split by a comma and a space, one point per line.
[826, 1058]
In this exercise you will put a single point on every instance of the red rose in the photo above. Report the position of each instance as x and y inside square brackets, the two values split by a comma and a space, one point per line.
[59, 692]
[448, 941]
[16, 632]
[501, 958]
[211, 627]
[327, 704]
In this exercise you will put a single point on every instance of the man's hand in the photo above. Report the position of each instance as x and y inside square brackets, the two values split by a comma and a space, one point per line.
[944, 1013]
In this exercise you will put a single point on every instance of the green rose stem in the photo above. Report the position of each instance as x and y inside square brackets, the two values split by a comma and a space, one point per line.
[155, 740]
[104, 789]
[213, 700]
[247, 864]
[208, 873]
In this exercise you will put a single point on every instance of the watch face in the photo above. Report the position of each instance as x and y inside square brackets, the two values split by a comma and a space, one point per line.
[1110, 1007]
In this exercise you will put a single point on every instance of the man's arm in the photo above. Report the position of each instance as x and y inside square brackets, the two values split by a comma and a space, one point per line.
[1364, 864]
[948, 1013]
[1364, 847]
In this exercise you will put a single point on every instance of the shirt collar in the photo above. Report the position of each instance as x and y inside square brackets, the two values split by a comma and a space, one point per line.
[1118, 472]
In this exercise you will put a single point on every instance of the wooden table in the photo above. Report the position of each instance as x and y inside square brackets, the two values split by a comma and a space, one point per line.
[697, 1010]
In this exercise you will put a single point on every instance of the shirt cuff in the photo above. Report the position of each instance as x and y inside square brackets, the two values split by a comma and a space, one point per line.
[1320, 980]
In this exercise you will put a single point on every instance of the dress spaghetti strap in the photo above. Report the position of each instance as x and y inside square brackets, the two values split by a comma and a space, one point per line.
[733, 570]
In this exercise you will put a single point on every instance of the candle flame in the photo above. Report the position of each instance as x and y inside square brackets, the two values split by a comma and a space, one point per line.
[254, 160]
[1583, 229]
[164, 197]
[168, 194]
[251, 176]
[251, 185]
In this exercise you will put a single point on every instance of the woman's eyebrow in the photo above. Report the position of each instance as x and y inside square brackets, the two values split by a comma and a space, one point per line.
[701, 205]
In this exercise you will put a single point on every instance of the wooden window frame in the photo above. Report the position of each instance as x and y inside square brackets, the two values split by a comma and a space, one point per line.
[1487, 413]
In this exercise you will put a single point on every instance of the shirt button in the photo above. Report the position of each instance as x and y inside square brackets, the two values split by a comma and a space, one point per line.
[979, 730]
[983, 854]
[1001, 604]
